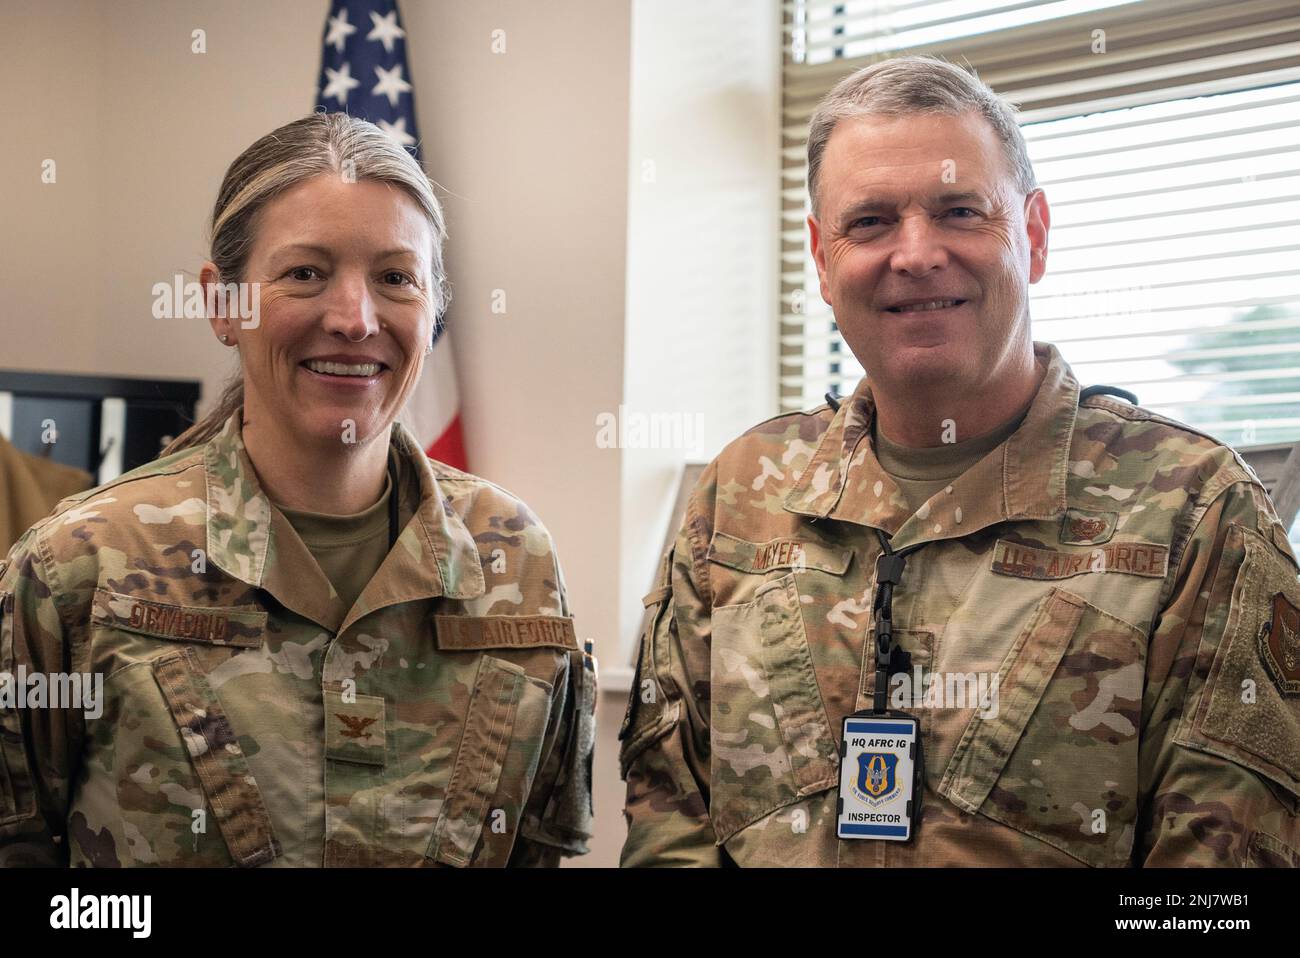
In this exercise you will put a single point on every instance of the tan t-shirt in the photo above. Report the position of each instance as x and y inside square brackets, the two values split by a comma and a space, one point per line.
[925, 470]
[349, 549]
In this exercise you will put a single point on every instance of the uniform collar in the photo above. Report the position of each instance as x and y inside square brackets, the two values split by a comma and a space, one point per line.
[1024, 478]
[251, 540]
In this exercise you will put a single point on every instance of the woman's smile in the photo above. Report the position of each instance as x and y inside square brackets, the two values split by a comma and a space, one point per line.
[338, 371]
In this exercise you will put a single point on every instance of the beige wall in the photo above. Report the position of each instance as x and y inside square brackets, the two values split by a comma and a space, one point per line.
[141, 130]
[532, 149]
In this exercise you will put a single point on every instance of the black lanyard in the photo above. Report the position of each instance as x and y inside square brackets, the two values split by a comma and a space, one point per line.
[392, 503]
[889, 573]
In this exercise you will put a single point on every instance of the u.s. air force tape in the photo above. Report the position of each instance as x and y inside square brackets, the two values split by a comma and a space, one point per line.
[1033, 562]
[505, 631]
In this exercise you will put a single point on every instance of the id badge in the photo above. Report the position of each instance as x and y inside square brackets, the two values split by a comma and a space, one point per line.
[878, 765]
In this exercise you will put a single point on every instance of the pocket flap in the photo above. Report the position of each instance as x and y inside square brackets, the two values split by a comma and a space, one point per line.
[218, 760]
[985, 746]
[774, 554]
[770, 737]
[17, 790]
[489, 729]
[241, 627]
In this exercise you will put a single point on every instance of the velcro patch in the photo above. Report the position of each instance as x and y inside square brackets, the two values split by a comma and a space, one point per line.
[238, 627]
[1079, 527]
[354, 728]
[1032, 562]
[777, 554]
[505, 631]
[1279, 644]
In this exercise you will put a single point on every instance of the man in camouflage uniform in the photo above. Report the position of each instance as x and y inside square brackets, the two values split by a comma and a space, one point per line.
[250, 718]
[1121, 580]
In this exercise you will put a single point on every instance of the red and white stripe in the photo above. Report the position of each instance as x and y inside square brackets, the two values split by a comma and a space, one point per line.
[433, 411]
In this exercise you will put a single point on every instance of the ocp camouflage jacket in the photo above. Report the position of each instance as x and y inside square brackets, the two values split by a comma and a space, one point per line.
[248, 718]
[1123, 577]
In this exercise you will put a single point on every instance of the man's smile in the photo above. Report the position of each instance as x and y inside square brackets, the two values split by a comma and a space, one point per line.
[926, 306]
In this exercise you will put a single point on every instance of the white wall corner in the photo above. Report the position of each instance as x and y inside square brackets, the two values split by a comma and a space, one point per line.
[704, 175]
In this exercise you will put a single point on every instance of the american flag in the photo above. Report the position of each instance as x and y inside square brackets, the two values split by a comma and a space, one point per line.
[364, 73]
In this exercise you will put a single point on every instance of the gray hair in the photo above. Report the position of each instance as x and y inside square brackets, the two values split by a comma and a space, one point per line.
[916, 84]
[334, 143]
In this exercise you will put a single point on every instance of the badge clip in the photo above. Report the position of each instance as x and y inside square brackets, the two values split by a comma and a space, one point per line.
[882, 765]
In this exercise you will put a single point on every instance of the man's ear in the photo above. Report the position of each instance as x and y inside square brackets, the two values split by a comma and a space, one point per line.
[218, 313]
[1038, 221]
[819, 257]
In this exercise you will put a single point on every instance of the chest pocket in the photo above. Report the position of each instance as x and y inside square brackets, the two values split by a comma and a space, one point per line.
[771, 743]
[188, 797]
[217, 759]
[1059, 759]
[502, 741]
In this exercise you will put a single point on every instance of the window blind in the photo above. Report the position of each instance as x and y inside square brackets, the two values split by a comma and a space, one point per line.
[1165, 135]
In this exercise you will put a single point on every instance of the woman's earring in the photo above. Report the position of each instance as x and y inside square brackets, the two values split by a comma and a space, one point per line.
[224, 338]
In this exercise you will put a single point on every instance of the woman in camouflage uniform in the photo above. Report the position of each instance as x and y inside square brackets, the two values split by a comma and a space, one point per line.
[312, 644]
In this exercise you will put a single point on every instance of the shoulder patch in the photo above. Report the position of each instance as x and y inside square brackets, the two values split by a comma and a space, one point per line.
[1248, 710]
[1279, 644]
